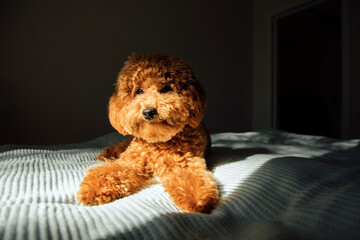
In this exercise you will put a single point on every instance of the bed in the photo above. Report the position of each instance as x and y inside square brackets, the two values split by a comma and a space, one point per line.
[273, 184]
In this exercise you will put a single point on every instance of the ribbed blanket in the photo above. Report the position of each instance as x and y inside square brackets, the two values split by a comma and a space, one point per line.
[274, 185]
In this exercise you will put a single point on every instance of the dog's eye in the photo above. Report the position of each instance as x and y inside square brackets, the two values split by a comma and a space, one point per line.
[166, 89]
[139, 91]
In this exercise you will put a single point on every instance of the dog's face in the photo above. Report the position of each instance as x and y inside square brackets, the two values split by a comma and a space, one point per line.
[156, 96]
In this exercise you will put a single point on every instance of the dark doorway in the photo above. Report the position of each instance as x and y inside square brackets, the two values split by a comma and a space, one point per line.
[308, 70]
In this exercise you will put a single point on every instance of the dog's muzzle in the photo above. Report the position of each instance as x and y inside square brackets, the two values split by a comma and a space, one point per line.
[149, 113]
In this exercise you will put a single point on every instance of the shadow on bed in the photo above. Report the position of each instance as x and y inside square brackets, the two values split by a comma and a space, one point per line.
[223, 155]
[309, 196]
[186, 226]
[348, 157]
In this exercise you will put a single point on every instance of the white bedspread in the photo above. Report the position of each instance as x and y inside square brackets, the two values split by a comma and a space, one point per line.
[274, 185]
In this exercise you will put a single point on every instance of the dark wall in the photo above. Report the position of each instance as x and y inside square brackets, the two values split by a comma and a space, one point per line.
[60, 59]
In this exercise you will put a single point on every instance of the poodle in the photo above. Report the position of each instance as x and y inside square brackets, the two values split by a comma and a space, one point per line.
[159, 103]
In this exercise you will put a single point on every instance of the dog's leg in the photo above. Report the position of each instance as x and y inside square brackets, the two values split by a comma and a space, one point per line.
[192, 190]
[109, 182]
[113, 152]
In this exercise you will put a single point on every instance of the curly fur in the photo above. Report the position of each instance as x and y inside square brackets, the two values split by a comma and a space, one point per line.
[171, 146]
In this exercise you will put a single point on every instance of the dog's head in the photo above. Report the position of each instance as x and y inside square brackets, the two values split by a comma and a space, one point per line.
[156, 96]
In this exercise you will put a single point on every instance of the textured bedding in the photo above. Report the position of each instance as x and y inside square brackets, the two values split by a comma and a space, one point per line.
[274, 185]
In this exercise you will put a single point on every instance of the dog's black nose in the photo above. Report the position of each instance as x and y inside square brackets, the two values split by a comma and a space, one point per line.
[149, 113]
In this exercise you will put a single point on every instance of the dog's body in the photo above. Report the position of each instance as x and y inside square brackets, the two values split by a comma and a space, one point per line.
[159, 102]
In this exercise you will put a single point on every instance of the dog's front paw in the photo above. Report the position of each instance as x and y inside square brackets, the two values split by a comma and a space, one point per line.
[196, 204]
[192, 190]
[95, 190]
[89, 195]
[109, 182]
[103, 184]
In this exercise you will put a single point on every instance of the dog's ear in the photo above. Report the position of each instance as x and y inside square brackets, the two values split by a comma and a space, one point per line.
[115, 105]
[120, 96]
[199, 103]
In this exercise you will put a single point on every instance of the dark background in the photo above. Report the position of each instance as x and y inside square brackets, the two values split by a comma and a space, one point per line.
[59, 61]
